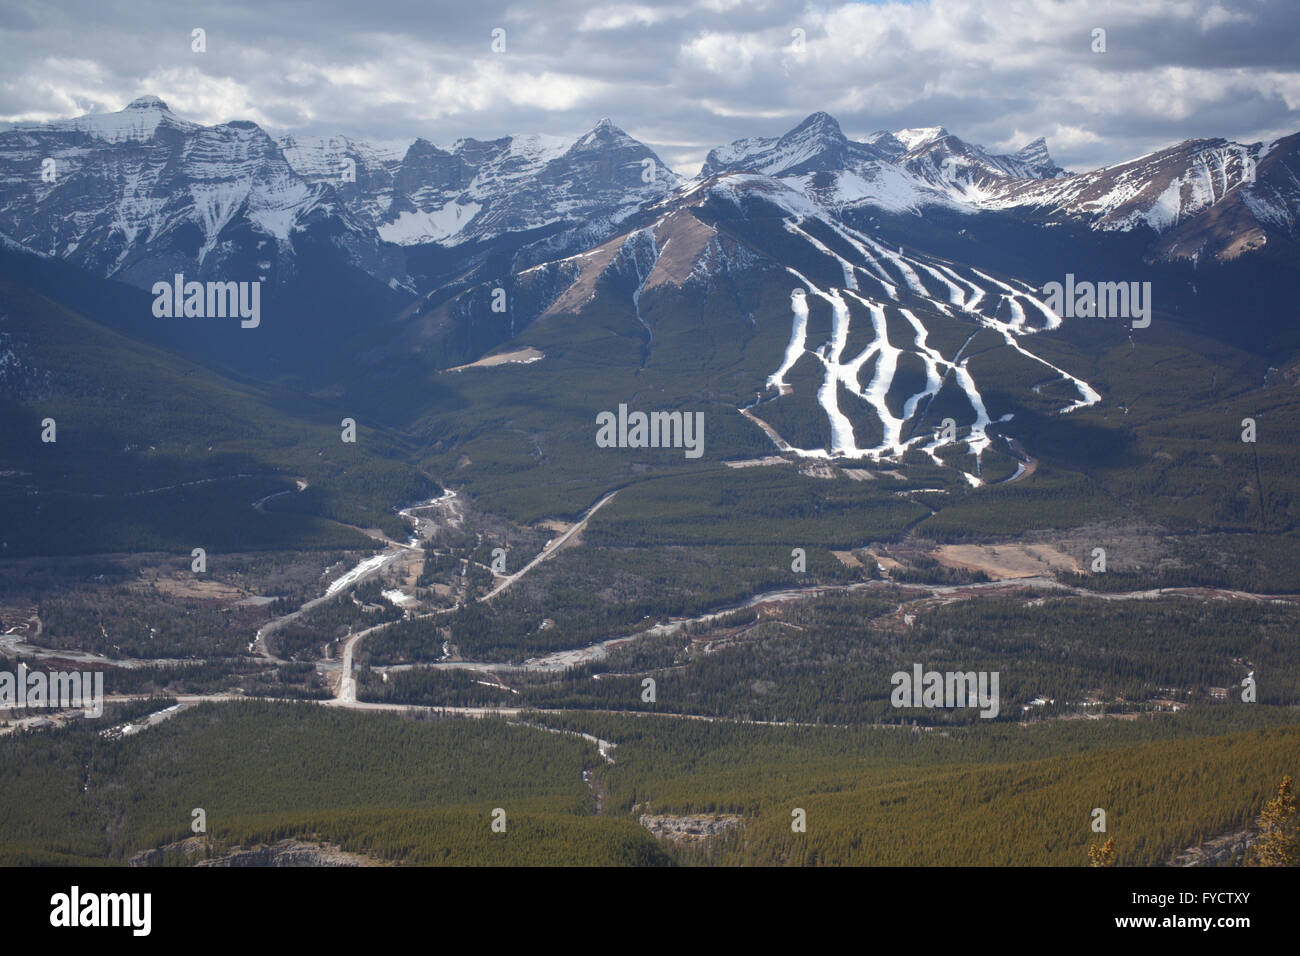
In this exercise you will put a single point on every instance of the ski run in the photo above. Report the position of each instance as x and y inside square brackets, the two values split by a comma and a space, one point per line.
[879, 278]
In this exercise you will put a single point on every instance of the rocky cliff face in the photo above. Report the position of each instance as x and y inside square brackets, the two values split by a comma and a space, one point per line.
[196, 852]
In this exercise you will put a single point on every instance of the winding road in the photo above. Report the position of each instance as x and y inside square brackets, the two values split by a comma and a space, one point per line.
[345, 691]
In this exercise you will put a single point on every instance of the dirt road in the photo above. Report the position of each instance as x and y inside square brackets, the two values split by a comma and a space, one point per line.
[555, 547]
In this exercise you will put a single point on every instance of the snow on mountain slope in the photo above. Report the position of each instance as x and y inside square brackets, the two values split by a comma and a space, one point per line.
[991, 298]
[1206, 199]
[1158, 190]
[529, 182]
[324, 157]
[479, 189]
[881, 315]
[142, 190]
[735, 187]
[816, 144]
[930, 284]
[361, 172]
[1037, 161]
[968, 173]
[1251, 189]
[919, 136]
[437, 225]
[901, 171]
[140, 193]
[132, 187]
[139, 121]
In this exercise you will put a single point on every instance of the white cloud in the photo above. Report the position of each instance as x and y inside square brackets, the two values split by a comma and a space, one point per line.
[619, 15]
[1217, 16]
[726, 55]
[695, 71]
[1066, 139]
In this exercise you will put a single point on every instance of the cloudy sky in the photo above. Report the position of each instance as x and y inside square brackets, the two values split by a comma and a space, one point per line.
[682, 76]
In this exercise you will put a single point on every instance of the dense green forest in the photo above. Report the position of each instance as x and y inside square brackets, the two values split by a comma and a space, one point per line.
[979, 795]
[74, 793]
[153, 452]
[424, 790]
[830, 660]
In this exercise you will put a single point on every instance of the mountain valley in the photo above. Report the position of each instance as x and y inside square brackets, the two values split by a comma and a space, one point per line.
[380, 529]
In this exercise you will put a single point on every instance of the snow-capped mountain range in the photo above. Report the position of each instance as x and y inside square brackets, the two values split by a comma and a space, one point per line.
[123, 194]
[133, 193]
[142, 193]
[481, 189]
[385, 259]
[1205, 198]
[341, 234]
[900, 171]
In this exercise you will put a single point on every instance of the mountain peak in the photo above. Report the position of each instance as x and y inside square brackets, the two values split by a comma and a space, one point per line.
[602, 134]
[147, 103]
[816, 144]
[138, 121]
[919, 135]
[1038, 159]
[423, 147]
[819, 122]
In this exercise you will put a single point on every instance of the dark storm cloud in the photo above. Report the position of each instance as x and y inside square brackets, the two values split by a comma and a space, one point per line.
[683, 76]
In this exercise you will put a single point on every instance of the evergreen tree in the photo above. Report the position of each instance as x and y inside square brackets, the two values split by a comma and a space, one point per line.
[1102, 854]
[1279, 838]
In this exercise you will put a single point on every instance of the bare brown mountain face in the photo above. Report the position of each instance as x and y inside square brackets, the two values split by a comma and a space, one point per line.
[1255, 217]
[1205, 199]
